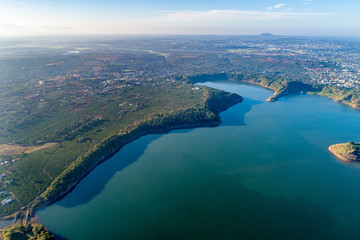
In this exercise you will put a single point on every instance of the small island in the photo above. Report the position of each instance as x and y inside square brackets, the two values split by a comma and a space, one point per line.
[349, 152]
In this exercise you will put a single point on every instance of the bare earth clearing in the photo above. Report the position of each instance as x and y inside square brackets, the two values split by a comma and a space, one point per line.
[9, 149]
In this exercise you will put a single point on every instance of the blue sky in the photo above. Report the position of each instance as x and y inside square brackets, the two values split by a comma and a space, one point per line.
[292, 17]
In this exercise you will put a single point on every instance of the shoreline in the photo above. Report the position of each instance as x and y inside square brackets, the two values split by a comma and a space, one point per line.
[291, 87]
[336, 101]
[347, 152]
[278, 94]
[72, 186]
[331, 150]
[39, 202]
[272, 98]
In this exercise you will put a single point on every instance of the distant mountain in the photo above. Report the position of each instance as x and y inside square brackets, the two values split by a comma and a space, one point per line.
[266, 35]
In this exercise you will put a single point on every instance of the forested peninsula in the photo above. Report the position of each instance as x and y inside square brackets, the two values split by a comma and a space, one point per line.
[45, 175]
[204, 114]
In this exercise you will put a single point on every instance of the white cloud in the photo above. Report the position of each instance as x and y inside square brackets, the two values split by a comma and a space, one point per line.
[221, 22]
[22, 30]
[222, 15]
[180, 22]
[277, 6]
[308, 2]
[4, 25]
[55, 27]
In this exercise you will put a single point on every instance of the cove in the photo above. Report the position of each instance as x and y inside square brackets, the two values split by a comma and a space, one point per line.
[264, 173]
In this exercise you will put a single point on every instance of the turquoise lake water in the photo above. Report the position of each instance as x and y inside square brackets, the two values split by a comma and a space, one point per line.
[264, 173]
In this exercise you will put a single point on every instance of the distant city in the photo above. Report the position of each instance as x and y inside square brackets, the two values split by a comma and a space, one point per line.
[113, 64]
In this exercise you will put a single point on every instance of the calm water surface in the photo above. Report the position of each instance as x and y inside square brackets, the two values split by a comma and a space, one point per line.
[264, 173]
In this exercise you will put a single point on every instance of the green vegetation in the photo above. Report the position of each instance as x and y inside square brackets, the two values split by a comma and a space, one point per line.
[31, 231]
[204, 113]
[283, 86]
[343, 95]
[207, 77]
[90, 129]
[349, 152]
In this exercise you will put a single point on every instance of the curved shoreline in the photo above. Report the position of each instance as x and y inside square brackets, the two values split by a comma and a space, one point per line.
[290, 87]
[205, 113]
[272, 98]
[341, 102]
[277, 94]
[96, 163]
[130, 135]
[330, 148]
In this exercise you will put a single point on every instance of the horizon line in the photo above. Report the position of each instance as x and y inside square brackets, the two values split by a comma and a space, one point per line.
[265, 34]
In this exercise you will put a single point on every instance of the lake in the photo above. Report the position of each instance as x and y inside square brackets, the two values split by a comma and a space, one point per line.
[264, 173]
